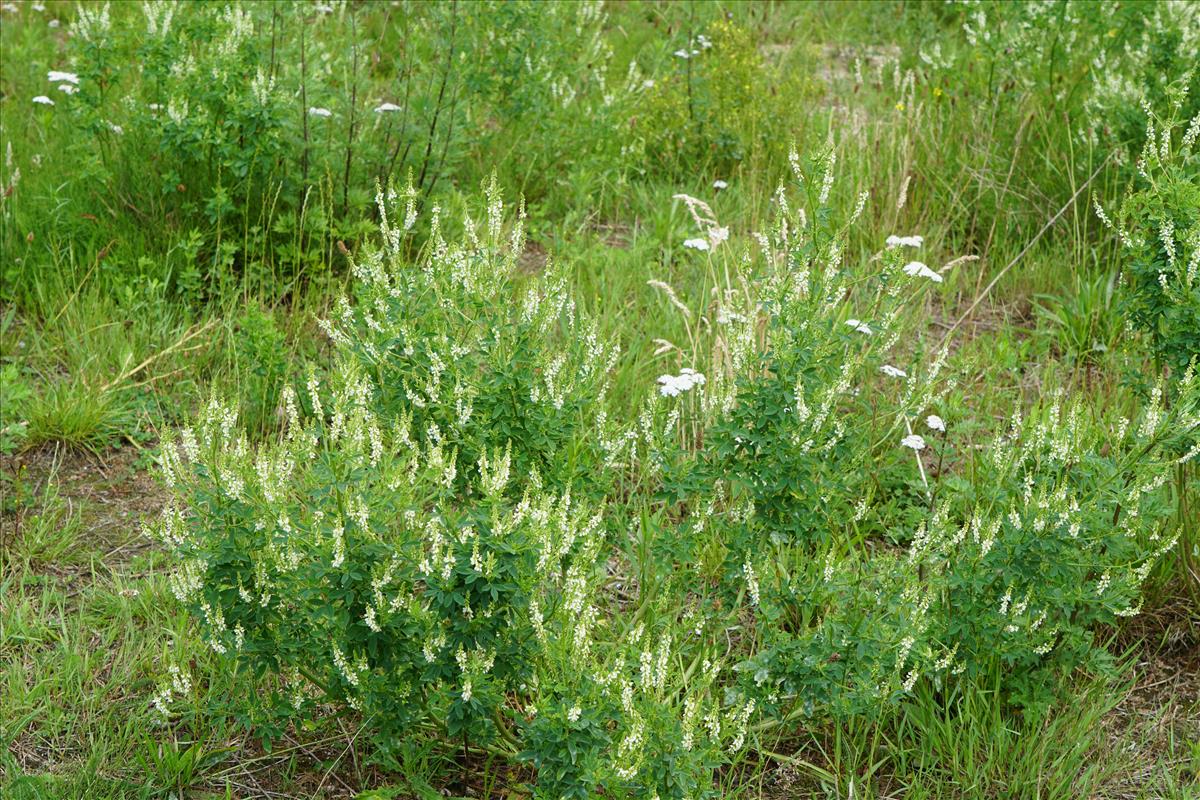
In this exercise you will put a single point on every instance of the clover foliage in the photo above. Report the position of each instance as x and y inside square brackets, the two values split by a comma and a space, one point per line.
[441, 539]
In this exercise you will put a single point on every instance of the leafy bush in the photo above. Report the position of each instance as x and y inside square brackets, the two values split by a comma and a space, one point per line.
[1053, 534]
[1158, 229]
[365, 560]
[704, 110]
[1158, 226]
[438, 540]
[251, 134]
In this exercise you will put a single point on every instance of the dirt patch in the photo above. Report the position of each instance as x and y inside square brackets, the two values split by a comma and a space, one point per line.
[617, 235]
[113, 491]
[533, 258]
[1155, 722]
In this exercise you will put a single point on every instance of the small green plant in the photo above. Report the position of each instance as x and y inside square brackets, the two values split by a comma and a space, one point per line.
[15, 394]
[261, 361]
[1084, 323]
[43, 527]
[172, 768]
[78, 415]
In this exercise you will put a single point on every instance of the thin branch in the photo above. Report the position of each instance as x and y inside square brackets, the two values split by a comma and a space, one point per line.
[188, 335]
[437, 109]
[1024, 250]
[353, 109]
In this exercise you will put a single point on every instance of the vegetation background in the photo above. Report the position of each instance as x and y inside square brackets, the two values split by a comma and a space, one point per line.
[189, 189]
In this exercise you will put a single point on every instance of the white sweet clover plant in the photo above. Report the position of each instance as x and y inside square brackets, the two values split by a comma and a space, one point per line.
[438, 539]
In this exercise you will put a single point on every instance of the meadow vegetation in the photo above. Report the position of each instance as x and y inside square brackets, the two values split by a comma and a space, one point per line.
[628, 400]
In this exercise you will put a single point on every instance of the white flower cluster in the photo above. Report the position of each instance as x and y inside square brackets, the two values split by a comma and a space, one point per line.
[905, 241]
[179, 685]
[919, 270]
[675, 385]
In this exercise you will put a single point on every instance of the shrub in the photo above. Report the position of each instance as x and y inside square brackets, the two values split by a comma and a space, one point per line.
[437, 539]
[709, 106]
[249, 135]
[364, 560]
[1158, 227]
[1052, 535]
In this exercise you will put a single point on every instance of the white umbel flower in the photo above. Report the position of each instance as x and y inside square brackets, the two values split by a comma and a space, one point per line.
[893, 372]
[319, 112]
[905, 241]
[56, 76]
[919, 270]
[42, 100]
[385, 107]
[675, 385]
[859, 326]
[914, 440]
[696, 244]
[719, 185]
[935, 423]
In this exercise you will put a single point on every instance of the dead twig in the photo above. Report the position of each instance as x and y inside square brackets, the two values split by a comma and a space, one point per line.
[1024, 250]
[188, 335]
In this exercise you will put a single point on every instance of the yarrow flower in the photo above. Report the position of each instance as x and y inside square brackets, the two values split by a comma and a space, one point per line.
[859, 326]
[914, 440]
[320, 112]
[893, 372]
[935, 423]
[383, 107]
[919, 270]
[696, 244]
[55, 76]
[675, 385]
[67, 88]
[719, 185]
[905, 241]
[41, 99]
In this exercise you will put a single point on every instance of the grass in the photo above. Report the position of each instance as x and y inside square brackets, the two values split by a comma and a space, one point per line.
[103, 351]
